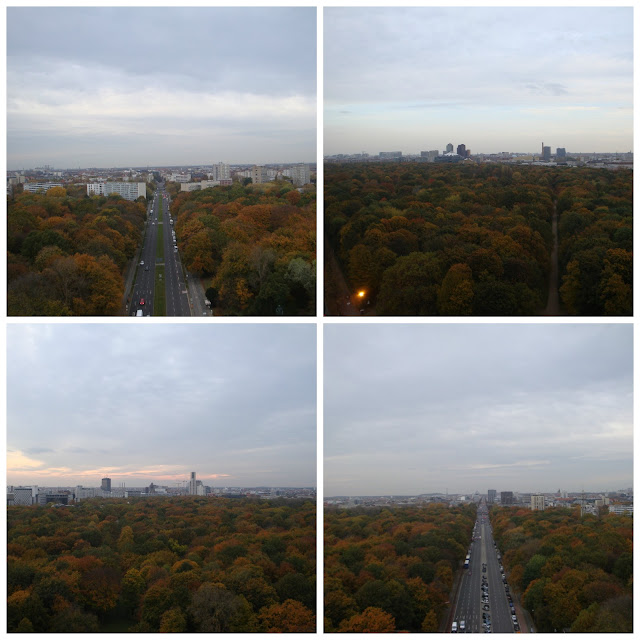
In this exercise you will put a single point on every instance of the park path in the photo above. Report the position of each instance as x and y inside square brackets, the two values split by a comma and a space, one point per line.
[553, 301]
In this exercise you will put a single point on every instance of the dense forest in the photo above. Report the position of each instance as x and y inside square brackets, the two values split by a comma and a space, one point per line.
[67, 254]
[391, 570]
[575, 574]
[253, 245]
[162, 564]
[432, 239]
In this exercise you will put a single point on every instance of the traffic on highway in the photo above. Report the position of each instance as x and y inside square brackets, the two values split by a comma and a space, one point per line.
[484, 603]
[166, 265]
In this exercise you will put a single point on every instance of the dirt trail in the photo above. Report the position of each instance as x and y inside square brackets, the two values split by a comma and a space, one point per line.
[553, 301]
[337, 296]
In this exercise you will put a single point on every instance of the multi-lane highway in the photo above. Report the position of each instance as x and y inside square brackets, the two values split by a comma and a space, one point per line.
[177, 301]
[483, 603]
[168, 267]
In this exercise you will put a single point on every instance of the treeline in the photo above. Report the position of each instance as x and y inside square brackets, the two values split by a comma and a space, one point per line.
[427, 239]
[254, 245]
[392, 569]
[162, 564]
[575, 574]
[595, 230]
[67, 255]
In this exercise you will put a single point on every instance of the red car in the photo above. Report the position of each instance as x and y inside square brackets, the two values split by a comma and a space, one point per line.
[141, 301]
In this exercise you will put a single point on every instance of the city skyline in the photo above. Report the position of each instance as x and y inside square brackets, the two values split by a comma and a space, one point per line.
[413, 409]
[499, 78]
[153, 403]
[160, 86]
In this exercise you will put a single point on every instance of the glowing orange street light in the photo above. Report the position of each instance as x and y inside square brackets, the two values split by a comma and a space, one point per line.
[360, 294]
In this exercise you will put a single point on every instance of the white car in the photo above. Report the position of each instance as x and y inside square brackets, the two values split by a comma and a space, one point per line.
[141, 262]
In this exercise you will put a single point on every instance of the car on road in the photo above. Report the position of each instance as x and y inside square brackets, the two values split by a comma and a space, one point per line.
[513, 617]
[461, 626]
[146, 268]
[141, 302]
[454, 627]
[485, 607]
[141, 262]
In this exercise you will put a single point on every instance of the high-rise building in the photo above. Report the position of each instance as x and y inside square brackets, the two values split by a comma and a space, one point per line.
[491, 496]
[221, 171]
[390, 154]
[193, 485]
[106, 484]
[462, 150]
[546, 154]
[449, 148]
[256, 174]
[561, 153]
[506, 497]
[23, 496]
[537, 503]
[300, 174]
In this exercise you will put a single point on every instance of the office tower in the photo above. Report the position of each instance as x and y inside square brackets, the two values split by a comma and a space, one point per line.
[506, 497]
[106, 484]
[193, 485]
[462, 150]
[449, 148]
[561, 153]
[221, 171]
[491, 496]
[546, 154]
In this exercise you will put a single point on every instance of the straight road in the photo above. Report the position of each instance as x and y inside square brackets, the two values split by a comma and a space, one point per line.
[472, 601]
[177, 300]
[144, 282]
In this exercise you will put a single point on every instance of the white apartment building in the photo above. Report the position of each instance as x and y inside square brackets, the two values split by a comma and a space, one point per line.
[128, 190]
[23, 496]
[537, 503]
[34, 187]
[180, 177]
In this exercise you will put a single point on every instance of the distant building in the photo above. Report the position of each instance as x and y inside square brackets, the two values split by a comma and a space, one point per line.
[462, 150]
[256, 174]
[561, 153]
[448, 157]
[221, 171]
[429, 155]
[621, 509]
[546, 154]
[106, 484]
[193, 485]
[506, 497]
[300, 174]
[35, 187]
[56, 498]
[180, 177]
[491, 496]
[23, 496]
[449, 148]
[537, 503]
[190, 186]
[390, 154]
[128, 190]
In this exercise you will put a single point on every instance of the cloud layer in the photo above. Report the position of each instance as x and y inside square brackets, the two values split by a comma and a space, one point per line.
[236, 403]
[423, 77]
[121, 86]
[425, 408]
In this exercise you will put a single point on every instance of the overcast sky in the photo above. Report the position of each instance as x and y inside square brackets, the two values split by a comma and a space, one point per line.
[160, 86]
[495, 79]
[235, 403]
[424, 408]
